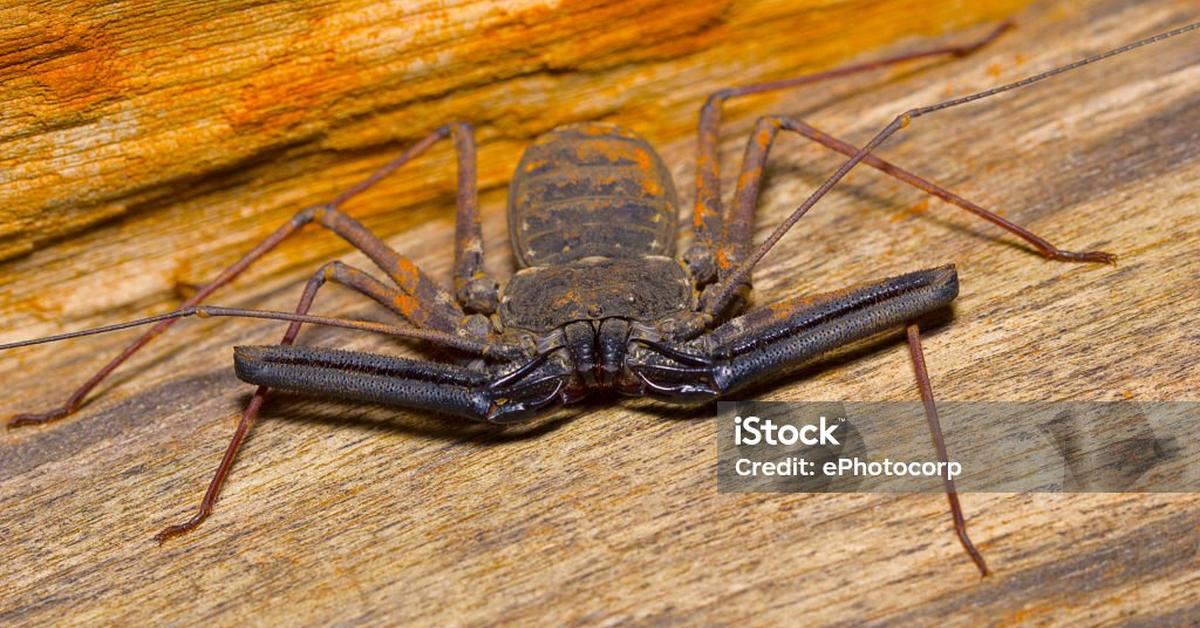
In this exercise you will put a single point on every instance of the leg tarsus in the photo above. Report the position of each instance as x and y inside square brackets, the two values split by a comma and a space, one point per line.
[181, 528]
[214, 487]
[1088, 257]
[1043, 246]
[960, 530]
[18, 420]
[939, 443]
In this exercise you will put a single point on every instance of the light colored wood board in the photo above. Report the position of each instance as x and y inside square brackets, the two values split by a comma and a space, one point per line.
[610, 513]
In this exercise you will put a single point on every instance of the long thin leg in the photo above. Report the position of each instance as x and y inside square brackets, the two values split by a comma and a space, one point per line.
[707, 214]
[474, 287]
[244, 425]
[336, 272]
[739, 228]
[716, 299]
[425, 304]
[939, 443]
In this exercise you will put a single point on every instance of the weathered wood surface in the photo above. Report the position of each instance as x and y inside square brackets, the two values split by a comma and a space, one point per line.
[339, 513]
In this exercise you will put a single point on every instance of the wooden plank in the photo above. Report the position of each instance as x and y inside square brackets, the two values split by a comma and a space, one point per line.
[610, 511]
[112, 109]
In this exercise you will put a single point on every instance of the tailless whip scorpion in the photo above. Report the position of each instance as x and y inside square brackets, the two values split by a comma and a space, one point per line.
[600, 301]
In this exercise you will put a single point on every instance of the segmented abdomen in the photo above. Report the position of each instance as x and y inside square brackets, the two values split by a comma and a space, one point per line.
[587, 190]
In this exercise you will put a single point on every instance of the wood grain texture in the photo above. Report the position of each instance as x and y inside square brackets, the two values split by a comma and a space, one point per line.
[609, 511]
[118, 108]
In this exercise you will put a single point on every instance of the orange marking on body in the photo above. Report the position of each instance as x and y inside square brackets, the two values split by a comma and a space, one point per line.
[763, 138]
[406, 273]
[723, 260]
[407, 305]
[606, 147]
[644, 161]
[747, 178]
[784, 310]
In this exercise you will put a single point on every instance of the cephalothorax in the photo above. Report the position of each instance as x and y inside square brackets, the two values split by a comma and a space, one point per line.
[602, 299]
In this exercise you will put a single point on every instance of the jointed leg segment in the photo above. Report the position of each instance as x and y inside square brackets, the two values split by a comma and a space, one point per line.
[423, 302]
[247, 421]
[737, 239]
[336, 272]
[939, 443]
[708, 218]
[718, 297]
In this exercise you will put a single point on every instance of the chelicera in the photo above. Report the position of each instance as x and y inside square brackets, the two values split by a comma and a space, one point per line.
[602, 299]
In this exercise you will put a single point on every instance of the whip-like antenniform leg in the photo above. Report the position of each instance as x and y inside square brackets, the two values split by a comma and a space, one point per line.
[720, 296]
[424, 303]
[708, 216]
